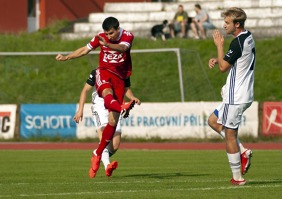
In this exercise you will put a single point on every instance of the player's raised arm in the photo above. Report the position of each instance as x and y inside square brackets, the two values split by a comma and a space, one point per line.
[117, 47]
[79, 114]
[219, 43]
[75, 54]
[129, 95]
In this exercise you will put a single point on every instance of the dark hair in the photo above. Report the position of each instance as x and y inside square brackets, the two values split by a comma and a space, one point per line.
[165, 22]
[109, 23]
[198, 6]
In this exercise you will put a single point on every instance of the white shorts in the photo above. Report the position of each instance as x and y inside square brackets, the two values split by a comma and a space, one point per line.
[99, 113]
[229, 115]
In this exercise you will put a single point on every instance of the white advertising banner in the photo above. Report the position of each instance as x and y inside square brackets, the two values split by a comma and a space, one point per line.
[86, 128]
[181, 120]
[7, 120]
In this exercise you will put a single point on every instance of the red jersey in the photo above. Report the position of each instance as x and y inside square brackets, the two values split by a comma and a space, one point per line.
[113, 61]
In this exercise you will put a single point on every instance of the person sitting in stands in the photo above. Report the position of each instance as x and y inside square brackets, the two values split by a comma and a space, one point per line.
[201, 22]
[179, 22]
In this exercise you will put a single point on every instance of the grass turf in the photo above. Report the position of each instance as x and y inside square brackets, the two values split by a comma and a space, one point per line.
[141, 174]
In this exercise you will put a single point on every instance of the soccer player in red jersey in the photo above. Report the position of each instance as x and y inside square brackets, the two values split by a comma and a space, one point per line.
[114, 67]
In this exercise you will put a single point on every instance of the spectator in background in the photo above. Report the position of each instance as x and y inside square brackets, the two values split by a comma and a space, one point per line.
[179, 22]
[201, 22]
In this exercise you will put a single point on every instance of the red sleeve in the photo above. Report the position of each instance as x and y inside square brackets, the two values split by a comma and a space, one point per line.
[127, 38]
[93, 44]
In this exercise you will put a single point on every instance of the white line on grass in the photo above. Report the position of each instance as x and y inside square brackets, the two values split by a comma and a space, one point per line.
[135, 191]
[132, 182]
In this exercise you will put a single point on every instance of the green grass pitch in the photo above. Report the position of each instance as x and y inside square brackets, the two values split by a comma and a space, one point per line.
[141, 174]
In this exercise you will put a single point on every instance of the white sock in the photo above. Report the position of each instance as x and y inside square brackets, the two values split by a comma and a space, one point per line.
[105, 157]
[235, 165]
[242, 148]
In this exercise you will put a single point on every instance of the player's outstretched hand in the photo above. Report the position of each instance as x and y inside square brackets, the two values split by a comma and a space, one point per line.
[61, 57]
[78, 117]
[137, 101]
[102, 40]
[212, 62]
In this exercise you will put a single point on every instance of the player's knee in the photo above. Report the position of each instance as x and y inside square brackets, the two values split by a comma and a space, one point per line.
[112, 149]
[230, 135]
[211, 121]
[112, 122]
[115, 146]
[230, 138]
[113, 118]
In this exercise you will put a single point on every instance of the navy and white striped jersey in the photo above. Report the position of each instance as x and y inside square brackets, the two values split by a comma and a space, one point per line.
[240, 81]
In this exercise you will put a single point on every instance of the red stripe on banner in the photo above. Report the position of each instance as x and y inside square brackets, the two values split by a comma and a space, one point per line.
[5, 114]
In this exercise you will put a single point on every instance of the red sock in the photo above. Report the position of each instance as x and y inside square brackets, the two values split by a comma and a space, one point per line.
[107, 136]
[111, 103]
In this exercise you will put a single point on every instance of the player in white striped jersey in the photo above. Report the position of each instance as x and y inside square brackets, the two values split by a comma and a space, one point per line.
[238, 94]
[100, 117]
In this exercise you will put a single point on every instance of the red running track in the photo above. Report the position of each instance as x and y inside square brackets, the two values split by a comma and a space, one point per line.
[130, 145]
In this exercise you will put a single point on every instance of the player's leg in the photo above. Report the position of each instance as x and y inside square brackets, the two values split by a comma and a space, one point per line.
[111, 88]
[108, 131]
[212, 122]
[101, 121]
[107, 136]
[113, 93]
[215, 122]
[246, 154]
[114, 145]
[230, 117]
[100, 118]
[110, 102]
[111, 149]
[105, 85]
[233, 155]
[114, 105]
[105, 154]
